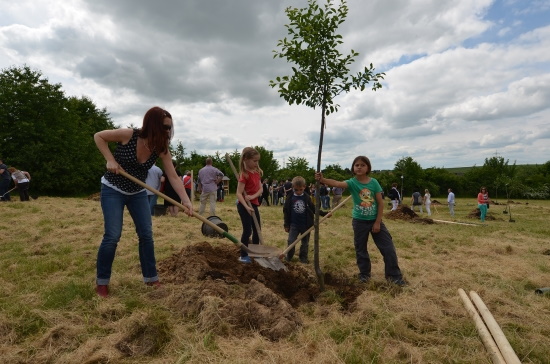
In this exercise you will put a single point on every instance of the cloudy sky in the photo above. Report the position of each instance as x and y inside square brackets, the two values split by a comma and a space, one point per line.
[465, 80]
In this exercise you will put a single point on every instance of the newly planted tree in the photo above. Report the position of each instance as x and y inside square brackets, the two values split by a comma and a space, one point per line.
[320, 73]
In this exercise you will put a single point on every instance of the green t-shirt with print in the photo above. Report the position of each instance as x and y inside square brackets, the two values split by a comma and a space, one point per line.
[365, 206]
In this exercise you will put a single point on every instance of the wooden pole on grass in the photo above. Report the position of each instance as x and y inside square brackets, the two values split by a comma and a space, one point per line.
[484, 333]
[505, 348]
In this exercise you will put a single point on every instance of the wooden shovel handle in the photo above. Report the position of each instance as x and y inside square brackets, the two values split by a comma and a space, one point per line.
[175, 203]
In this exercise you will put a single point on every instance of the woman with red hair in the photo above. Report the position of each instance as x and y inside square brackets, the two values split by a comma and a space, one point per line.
[137, 150]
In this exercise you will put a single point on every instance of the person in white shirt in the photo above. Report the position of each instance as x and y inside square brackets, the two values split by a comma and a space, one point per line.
[21, 180]
[451, 202]
[154, 179]
[427, 201]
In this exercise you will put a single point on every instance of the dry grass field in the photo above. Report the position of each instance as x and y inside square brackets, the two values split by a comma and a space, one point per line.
[212, 309]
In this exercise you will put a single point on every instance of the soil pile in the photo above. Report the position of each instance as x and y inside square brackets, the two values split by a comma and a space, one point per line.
[403, 212]
[229, 298]
[476, 214]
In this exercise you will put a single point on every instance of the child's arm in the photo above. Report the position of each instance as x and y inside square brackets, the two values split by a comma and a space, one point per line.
[257, 194]
[379, 214]
[330, 182]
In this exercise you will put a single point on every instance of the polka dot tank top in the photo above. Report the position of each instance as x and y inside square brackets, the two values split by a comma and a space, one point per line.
[126, 157]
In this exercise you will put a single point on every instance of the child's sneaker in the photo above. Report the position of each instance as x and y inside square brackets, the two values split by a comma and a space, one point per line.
[245, 260]
[155, 284]
[363, 278]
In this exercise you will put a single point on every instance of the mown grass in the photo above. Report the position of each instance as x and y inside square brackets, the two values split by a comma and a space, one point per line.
[49, 312]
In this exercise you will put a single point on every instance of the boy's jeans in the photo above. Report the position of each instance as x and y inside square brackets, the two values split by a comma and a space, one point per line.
[293, 233]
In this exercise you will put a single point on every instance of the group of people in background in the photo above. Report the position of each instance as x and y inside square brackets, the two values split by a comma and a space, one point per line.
[418, 200]
[21, 180]
[209, 185]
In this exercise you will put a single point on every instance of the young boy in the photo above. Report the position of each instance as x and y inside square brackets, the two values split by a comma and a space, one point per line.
[298, 212]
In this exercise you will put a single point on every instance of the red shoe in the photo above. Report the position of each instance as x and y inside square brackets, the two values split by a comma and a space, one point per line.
[155, 284]
[102, 290]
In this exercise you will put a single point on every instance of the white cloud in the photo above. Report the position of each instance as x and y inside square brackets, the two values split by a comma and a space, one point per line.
[451, 96]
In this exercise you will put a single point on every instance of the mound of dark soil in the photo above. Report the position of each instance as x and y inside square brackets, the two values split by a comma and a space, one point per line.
[228, 297]
[476, 214]
[403, 212]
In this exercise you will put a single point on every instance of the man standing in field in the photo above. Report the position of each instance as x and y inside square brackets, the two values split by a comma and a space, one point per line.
[337, 195]
[209, 177]
[154, 179]
[416, 200]
[451, 202]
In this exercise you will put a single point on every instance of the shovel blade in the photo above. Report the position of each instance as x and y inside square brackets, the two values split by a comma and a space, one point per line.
[273, 263]
[262, 251]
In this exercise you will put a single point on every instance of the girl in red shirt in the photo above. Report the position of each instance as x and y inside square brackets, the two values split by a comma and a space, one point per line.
[483, 202]
[249, 189]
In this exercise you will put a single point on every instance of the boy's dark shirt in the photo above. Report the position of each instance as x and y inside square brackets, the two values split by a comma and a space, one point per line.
[309, 211]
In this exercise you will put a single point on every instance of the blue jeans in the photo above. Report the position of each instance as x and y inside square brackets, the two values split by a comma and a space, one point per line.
[249, 228]
[384, 243]
[293, 234]
[325, 202]
[152, 202]
[112, 204]
[274, 198]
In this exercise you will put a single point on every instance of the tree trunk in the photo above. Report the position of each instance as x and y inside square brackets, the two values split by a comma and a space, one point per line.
[318, 272]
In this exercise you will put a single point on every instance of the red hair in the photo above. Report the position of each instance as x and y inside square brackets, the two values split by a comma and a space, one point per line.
[153, 129]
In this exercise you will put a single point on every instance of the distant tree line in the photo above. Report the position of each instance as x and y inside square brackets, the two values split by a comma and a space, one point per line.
[51, 135]
[48, 134]
[501, 179]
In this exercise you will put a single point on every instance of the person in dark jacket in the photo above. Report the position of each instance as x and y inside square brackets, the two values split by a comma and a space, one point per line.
[394, 196]
[265, 193]
[5, 180]
[298, 213]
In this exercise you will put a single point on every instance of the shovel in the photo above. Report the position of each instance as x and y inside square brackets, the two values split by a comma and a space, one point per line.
[267, 262]
[256, 251]
[8, 192]
[311, 228]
